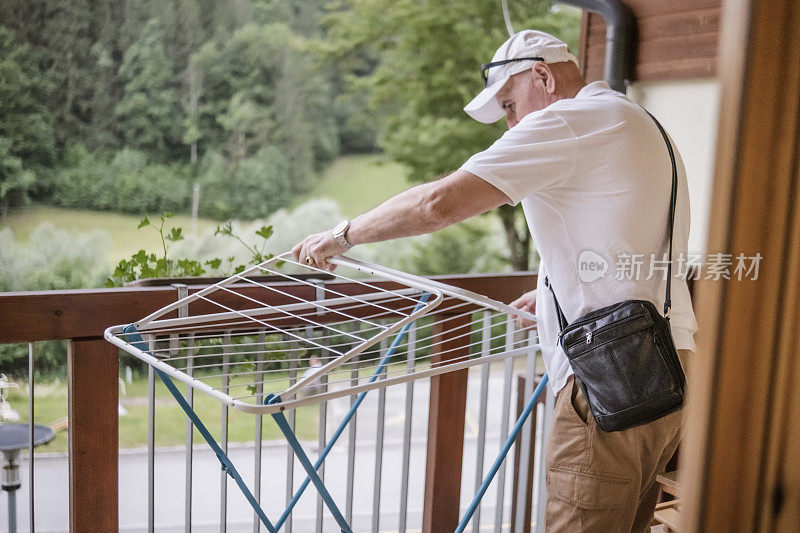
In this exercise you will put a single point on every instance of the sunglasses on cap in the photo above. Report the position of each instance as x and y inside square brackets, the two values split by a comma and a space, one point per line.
[486, 66]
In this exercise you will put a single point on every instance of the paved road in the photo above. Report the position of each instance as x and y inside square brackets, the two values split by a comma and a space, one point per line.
[51, 474]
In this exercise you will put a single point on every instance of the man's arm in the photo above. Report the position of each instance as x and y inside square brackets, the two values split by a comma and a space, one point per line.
[422, 209]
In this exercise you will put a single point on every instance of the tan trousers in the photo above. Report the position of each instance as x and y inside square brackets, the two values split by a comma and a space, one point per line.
[604, 482]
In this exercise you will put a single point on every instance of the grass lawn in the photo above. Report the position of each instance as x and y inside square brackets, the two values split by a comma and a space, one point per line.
[359, 183]
[125, 238]
[51, 405]
[356, 182]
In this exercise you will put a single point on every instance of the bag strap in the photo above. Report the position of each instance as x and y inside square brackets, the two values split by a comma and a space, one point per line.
[672, 201]
[673, 198]
[562, 320]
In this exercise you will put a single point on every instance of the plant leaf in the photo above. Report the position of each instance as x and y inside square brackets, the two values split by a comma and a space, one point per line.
[175, 235]
[224, 229]
[145, 222]
[265, 232]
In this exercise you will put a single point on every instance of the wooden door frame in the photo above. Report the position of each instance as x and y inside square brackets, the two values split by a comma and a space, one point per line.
[741, 455]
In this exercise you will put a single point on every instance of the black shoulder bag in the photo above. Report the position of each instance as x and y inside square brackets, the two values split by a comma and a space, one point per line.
[623, 355]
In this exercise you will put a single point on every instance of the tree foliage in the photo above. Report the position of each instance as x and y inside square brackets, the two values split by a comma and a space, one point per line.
[145, 116]
[247, 189]
[427, 56]
[260, 89]
[125, 105]
[26, 132]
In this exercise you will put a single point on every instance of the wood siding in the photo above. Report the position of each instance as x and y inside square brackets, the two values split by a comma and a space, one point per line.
[674, 40]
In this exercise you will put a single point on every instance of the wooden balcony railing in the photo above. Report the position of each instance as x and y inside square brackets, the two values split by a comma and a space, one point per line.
[81, 316]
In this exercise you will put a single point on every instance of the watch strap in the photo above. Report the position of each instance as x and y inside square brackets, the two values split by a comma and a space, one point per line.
[340, 236]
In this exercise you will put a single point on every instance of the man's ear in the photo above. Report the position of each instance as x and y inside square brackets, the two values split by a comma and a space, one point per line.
[541, 72]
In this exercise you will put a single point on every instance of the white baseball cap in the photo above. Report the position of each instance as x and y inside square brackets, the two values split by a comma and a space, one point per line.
[515, 55]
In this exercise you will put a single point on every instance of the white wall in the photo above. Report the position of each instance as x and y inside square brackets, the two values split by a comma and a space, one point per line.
[688, 110]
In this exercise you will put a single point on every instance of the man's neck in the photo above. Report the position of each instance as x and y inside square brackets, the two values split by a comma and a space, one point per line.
[572, 90]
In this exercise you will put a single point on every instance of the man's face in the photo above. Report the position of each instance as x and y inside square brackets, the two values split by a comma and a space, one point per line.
[525, 93]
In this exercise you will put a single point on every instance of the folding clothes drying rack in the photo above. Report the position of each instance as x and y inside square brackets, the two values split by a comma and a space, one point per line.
[238, 336]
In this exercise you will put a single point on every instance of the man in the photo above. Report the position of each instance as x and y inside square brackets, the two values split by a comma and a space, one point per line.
[593, 175]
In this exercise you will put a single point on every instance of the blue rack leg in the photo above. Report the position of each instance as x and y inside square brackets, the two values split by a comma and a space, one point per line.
[346, 420]
[502, 455]
[227, 465]
[309, 468]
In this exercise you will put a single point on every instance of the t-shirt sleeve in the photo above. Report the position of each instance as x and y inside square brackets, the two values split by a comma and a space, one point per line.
[537, 153]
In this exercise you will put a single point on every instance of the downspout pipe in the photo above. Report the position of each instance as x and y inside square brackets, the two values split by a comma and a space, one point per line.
[620, 34]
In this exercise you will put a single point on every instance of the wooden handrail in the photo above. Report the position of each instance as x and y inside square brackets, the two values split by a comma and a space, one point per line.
[86, 313]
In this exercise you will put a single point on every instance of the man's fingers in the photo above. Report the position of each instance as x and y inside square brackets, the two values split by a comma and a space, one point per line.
[296, 250]
[524, 323]
[522, 301]
[318, 248]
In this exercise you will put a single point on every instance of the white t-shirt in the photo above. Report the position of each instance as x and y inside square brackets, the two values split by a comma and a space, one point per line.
[594, 178]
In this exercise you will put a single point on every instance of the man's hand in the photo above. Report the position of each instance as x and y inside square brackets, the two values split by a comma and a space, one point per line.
[316, 249]
[526, 302]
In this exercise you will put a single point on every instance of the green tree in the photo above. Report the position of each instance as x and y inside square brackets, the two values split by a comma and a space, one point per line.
[427, 56]
[260, 89]
[251, 188]
[147, 114]
[26, 130]
[460, 249]
[14, 179]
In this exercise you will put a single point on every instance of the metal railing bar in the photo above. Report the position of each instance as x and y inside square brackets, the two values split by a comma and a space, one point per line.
[290, 451]
[31, 383]
[257, 450]
[508, 372]
[486, 345]
[151, 445]
[376, 485]
[183, 311]
[321, 434]
[189, 455]
[407, 427]
[223, 490]
[351, 441]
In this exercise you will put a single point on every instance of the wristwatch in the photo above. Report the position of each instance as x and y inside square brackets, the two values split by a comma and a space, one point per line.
[339, 231]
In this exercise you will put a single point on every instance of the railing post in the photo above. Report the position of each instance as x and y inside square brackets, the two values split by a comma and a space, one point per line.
[93, 377]
[448, 402]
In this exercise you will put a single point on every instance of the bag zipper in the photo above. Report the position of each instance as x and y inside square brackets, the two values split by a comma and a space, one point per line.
[591, 333]
[582, 321]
